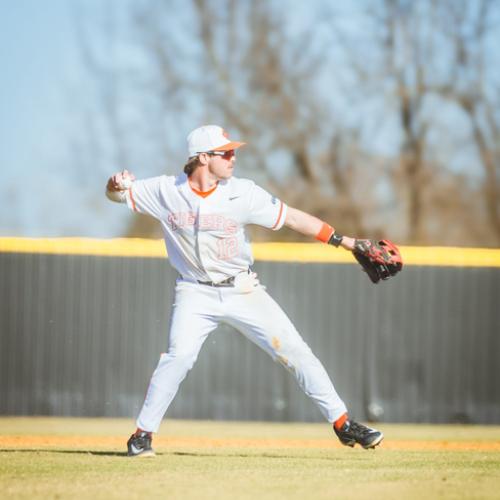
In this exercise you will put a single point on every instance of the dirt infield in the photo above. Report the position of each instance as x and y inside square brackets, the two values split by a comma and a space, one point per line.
[101, 434]
[169, 442]
[48, 457]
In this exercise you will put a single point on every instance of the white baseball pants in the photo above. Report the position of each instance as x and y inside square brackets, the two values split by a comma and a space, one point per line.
[197, 311]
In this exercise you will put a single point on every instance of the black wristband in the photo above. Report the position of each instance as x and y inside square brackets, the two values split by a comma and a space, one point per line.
[335, 239]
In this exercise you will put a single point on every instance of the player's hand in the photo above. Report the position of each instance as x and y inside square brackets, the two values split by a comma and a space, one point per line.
[120, 181]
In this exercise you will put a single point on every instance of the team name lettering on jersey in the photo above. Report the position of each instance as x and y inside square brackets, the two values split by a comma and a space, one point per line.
[206, 238]
[215, 222]
[206, 222]
[180, 220]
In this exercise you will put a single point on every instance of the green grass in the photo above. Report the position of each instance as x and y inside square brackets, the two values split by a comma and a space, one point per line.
[223, 471]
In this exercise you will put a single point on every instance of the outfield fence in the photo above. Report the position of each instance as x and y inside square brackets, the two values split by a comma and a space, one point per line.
[83, 323]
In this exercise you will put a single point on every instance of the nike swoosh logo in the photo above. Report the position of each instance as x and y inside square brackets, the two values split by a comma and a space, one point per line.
[231, 198]
[135, 450]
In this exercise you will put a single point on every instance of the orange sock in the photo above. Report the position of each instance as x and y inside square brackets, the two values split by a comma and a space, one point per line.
[138, 431]
[341, 421]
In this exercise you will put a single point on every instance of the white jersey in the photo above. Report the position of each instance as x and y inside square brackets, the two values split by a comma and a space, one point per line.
[205, 237]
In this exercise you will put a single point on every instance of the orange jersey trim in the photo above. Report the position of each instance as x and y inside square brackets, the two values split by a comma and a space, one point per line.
[134, 207]
[203, 194]
[279, 215]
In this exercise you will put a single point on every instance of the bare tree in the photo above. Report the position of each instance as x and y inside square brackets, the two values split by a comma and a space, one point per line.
[425, 52]
[469, 29]
[244, 68]
[311, 108]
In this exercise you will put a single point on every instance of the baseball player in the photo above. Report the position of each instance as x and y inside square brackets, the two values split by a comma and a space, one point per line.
[203, 213]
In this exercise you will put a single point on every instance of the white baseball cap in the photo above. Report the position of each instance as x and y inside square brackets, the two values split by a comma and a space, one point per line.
[210, 138]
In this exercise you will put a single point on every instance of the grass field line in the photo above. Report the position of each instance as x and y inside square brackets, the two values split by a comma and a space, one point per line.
[52, 457]
[169, 442]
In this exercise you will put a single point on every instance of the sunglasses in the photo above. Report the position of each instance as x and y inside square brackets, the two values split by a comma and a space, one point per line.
[227, 155]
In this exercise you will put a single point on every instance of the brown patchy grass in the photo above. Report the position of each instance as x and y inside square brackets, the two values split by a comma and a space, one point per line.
[81, 458]
[169, 442]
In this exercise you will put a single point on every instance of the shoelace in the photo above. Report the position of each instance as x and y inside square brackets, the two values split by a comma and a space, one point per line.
[141, 439]
[359, 428]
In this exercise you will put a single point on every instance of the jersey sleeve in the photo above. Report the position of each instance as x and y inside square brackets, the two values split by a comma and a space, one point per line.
[145, 197]
[265, 209]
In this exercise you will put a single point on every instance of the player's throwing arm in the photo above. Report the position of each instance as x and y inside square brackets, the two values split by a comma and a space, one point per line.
[203, 213]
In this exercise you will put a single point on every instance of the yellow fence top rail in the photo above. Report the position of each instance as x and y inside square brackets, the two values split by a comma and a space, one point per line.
[278, 252]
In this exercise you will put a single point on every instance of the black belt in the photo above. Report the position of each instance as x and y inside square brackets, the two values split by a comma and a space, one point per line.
[226, 282]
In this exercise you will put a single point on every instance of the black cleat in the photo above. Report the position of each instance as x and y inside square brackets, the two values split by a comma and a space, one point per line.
[352, 432]
[139, 445]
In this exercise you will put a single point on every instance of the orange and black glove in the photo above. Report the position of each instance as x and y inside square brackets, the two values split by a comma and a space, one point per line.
[379, 259]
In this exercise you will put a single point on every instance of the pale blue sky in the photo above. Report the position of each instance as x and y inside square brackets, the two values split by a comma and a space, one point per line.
[36, 52]
[45, 92]
[41, 81]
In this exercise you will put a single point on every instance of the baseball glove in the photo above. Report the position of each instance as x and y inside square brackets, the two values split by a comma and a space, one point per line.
[379, 259]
